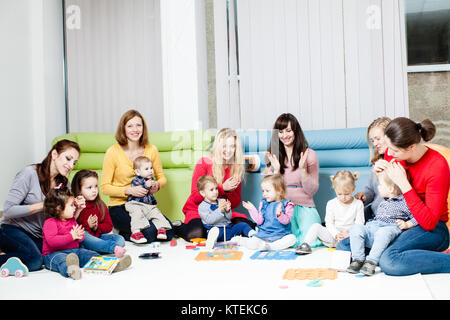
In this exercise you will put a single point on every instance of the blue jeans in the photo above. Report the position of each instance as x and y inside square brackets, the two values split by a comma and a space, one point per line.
[16, 242]
[374, 234]
[103, 244]
[56, 261]
[232, 230]
[414, 251]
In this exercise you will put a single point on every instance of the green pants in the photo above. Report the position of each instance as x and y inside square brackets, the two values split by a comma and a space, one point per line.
[301, 221]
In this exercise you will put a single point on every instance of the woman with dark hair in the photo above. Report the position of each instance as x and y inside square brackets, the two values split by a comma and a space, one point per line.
[423, 176]
[118, 172]
[23, 215]
[291, 156]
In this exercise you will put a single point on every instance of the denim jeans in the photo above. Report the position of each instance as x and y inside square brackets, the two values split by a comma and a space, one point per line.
[16, 242]
[56, 261]
[231, 230]
[103, 244]
[414, 251]
[376, 235]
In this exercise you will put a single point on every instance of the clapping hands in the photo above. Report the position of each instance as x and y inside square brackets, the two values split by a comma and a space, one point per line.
[93, 222]
[77, 232]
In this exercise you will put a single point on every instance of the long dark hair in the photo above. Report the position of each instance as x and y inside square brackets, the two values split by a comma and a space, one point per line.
[300, 143]
[43, 168]
[404, 132]
[55, 202]
[77, 182]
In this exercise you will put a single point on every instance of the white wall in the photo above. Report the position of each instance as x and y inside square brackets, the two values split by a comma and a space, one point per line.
[31, 84]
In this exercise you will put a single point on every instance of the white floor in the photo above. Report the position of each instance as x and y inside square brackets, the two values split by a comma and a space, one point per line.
[177, 275]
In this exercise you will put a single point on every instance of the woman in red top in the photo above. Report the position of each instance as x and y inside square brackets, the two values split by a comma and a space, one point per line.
[226, 165]
[423, 176]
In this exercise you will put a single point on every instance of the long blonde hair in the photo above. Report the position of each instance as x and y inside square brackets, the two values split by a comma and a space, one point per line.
[382, 123]
[236, 163]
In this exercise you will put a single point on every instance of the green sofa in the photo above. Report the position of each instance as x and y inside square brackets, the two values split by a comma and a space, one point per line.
[178, 150]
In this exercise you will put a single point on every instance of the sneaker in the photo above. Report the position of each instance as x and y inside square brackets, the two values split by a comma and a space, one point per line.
[304, 248]
[73, 266]
[161, 234]
[368, 268]
[13, 267]
[355, 266]
[123, 264]
[213, 234]
[138, 237]
[119, 251]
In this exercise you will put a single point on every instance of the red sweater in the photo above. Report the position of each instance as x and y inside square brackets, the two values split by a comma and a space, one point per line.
[203, 167]
[104, 226]
[429, 178]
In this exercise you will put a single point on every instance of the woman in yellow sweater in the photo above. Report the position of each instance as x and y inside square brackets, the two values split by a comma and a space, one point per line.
[117, 172]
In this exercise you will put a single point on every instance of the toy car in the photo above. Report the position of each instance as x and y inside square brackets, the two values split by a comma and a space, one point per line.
[13, 267]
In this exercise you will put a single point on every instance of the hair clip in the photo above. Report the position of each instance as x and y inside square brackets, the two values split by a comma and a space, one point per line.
[59, 186]
[94, 173]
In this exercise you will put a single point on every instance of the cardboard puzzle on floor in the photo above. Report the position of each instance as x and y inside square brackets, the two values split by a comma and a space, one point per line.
[310, 274]
[219, 255]
[274, 255]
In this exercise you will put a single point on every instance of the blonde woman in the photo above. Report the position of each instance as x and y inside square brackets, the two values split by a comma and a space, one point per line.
[377, 146]
[118, 172]
[226, 165]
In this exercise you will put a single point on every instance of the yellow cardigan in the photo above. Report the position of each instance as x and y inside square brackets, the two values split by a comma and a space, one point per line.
[117, 172]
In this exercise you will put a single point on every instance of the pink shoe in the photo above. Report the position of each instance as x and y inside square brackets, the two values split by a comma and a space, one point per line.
[161, 234]
[119, 251]
[138, 237]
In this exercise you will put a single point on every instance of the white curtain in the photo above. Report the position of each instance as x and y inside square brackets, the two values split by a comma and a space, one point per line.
[332, 63]
[113, 63]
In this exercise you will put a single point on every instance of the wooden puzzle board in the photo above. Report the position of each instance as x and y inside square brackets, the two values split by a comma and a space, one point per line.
[310, 274]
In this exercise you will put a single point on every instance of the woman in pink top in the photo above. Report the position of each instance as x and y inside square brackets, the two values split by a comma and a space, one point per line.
[291, 157]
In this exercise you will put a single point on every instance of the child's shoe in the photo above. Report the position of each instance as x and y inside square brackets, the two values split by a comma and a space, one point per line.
[368, 268]
[304, 248]
[138, 237]
[73, 266]
[123, 264]
[13, 267]
[355, 266]
[213, 234]
[161, 234]
[119, 251]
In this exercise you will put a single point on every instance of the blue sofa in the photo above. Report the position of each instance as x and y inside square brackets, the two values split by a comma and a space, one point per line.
[336, 149]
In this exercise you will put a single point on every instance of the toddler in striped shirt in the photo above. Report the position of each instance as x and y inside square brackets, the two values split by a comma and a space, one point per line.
[392, 217]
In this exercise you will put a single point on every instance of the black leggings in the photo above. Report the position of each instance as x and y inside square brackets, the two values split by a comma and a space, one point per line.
[194, 228]
[121, 221]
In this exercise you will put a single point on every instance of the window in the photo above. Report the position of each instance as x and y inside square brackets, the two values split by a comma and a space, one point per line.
[427, 30]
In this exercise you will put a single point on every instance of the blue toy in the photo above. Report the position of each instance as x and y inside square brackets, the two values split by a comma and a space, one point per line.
[13, 267]
[274, 255]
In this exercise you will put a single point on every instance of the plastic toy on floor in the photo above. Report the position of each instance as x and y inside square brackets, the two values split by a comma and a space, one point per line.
[13, 267]
[274, 255]
[310, 274]
[219, 255]
[226, 246]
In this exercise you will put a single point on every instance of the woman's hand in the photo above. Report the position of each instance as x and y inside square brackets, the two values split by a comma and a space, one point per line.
[274, 163]
[248, 205]
[360, 196]
[137, 191]
[230, 184]
[36, 207]
[380, 165]
[302, 163]
[397, 174]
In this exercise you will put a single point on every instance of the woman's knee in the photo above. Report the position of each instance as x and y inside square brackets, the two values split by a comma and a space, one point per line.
[34, 262]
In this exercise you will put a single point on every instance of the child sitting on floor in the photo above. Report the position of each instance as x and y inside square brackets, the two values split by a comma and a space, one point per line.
[273, 217]
[342, 213]
[95, 217]
[62, 236]
[216, 214]
[391, 218]
[143, 209]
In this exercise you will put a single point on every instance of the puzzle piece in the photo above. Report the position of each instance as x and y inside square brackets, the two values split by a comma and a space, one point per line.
[274, 255]
[219, 255]
[310, 274]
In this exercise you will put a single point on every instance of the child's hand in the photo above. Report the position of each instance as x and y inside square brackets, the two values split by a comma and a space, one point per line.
[360, 196]
[77, 232]
[342, 235]
[403, 225]
[248, 205]
[228, 206]
[93, 222]
[278, 210]
[80, 202]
